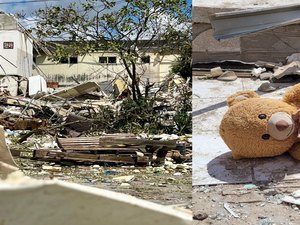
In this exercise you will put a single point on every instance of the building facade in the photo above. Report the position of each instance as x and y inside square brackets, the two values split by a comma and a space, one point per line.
[16, 48]
[102, 66]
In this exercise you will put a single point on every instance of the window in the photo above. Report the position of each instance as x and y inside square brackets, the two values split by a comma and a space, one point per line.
[8, 45]
[73, 60]
[70, 60]
[112, 60]
[64, 60]
[103, 60]
[145, 59]
[108, 60]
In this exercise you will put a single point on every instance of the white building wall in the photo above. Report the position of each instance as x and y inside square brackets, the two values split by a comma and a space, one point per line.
[17, 60]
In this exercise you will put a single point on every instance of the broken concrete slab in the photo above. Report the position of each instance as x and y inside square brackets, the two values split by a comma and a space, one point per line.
[257, 71]
[9, 84]
[266, 87]
[266, 76]
[228, 76]
[292, 68]
[216, 72]
[58, 202]
[293, 57]
[78, 90]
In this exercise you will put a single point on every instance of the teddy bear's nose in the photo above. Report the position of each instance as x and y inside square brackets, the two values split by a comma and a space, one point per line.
[281, 125]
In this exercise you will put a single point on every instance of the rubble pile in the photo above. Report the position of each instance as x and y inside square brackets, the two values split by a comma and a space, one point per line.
[72, 115]
[228, 71]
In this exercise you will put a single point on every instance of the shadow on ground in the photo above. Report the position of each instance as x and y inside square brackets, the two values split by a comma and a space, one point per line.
[261, 170]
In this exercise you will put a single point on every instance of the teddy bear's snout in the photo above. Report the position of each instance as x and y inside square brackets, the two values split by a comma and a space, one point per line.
[281, 126]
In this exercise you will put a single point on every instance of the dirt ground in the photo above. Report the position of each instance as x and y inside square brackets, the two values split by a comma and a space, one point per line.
[255, 205]
[164, 185]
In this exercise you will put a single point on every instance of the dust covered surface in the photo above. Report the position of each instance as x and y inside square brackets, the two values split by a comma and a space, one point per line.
[247, 204]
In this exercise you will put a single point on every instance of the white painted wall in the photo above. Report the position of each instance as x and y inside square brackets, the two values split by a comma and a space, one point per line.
[16, 61]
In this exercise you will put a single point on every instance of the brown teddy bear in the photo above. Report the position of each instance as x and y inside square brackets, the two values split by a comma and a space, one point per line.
[261, 127]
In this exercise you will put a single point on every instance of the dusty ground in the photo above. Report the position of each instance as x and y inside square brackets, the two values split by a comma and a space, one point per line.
[260, 205]
[169, 184]
[155, 184]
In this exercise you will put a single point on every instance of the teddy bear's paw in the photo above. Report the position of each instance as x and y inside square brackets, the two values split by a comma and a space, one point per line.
[236, 157]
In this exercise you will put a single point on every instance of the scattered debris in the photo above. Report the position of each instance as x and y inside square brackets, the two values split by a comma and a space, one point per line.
[216, 72]
[199, 216]
[227, 207]
[123, 179]
[294, 199]
[289, 69]
[228, 76]
[256, 72]
[266, 87]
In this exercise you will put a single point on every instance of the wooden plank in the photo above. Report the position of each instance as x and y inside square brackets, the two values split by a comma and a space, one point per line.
[81, 157]
[130, 141]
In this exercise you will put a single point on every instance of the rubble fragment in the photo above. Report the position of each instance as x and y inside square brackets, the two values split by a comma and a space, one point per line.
[216, 72]
[266, 87]
[292, 68]
[227, 76]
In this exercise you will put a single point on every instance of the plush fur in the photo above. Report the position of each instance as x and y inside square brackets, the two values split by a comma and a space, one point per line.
[249, 132]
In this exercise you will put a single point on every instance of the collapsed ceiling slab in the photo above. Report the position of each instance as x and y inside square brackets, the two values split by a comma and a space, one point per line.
[243, 22]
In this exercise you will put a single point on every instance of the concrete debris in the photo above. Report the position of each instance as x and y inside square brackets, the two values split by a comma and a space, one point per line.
[256, 72]
[261, 70]
[266, 87]
[266, 76]
[227, 76]
[125, 185]
[290, 69]
[123, 179]
[227, 207]
[216, 72]
[296, 194]
[291, 200]
[292, 58]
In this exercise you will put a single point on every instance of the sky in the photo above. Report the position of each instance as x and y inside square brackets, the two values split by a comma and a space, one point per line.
[29, 6]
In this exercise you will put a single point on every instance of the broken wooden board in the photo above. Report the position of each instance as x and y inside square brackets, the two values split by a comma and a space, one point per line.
[91, 144]
[134, 141]
[29, 202]
[123, 157]
[13, 123]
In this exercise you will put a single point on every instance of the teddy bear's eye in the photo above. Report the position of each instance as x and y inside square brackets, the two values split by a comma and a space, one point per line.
[262, 116]
[265, 136]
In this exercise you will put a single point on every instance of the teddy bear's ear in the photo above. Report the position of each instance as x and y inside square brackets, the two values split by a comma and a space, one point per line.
[241, 96]
[292, 96]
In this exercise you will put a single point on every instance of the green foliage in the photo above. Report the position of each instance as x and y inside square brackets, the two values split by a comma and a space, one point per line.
[183, 66]
[142, 117]
[102, 24]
